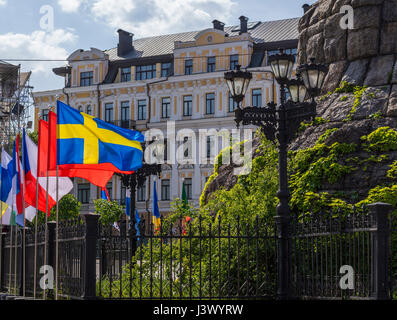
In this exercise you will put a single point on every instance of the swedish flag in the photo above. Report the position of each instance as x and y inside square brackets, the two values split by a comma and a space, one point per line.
[83, 139]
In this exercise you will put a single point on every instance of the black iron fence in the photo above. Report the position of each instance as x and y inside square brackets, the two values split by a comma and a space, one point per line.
[210, 259]
[185, 261]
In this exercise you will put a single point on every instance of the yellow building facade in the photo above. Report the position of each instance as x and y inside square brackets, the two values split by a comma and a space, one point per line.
[172, 80]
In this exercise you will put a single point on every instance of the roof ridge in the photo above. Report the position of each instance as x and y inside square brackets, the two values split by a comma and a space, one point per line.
[197, 31]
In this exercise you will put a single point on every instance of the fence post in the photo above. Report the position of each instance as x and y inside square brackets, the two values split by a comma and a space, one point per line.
[2, 260]
[51, 246]
[380, 250]
[89, 255]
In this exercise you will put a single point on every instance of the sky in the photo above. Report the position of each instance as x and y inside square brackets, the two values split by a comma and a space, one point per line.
[53, 29]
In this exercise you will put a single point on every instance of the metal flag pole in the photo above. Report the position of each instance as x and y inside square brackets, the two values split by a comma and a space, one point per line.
[15, 255]
[10, 268]
[1, 235]
[22, 173]
[56, 235]
[46, 231]
[57, 222]
[35, 236]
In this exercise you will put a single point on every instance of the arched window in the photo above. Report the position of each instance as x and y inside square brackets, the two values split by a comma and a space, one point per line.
[89, 110]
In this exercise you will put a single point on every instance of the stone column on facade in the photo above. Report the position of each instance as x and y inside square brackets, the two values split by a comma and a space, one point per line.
[174, 181]
[93, 196]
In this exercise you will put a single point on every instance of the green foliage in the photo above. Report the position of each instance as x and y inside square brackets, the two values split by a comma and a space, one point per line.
[316, 122]
[376, 115]
[109, 211]
[344, 98]
[383, 139]
[392, 173]
[34, 135]
[255, 194]
[68, 208]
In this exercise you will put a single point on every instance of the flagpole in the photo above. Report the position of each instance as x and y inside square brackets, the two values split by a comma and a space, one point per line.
[24, 217]
[15, 255]
[1, 235]
[57, 221]
[46, 228]
[57, 235]
[35, 237]
[10, 269]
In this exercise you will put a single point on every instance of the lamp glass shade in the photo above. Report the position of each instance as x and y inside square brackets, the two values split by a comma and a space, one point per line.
[294, 92]
[313, 78]
[302, 93]
[275, 69]
[297, 90]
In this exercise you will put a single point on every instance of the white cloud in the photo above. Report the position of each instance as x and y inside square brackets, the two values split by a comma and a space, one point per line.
[3, 2]
[39, 45]
[70, 5]
[156, 17]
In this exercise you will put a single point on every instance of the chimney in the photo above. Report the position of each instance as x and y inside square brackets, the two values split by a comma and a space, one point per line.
[218, 25]
[243, 24]
[125, 42]
[305, 7]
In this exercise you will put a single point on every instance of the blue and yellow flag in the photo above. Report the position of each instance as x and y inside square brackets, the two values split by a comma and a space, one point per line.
[83, 139]
[156, 211]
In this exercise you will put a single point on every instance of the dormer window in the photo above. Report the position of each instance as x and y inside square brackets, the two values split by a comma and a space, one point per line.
[146, 72]
[125, 75]
[166, 69]
[86, 78]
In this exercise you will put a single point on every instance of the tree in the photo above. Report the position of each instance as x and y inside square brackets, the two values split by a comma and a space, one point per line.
[68, 208]
[109, 211]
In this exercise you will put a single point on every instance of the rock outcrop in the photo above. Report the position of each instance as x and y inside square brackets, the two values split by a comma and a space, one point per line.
[360, 92]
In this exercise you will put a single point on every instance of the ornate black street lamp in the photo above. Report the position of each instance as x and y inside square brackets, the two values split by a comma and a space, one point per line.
[280, 123]
[137, 180]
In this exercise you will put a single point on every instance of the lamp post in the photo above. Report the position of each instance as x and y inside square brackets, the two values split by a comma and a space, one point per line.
[280, 123]
[137, 180]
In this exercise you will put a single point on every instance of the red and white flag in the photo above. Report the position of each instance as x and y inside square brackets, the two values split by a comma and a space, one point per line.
[65, 185]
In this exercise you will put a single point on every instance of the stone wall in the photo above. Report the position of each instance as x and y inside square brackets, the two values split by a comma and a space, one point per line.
[365, 55]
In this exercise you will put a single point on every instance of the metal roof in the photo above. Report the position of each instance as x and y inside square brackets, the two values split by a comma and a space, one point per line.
[269, 31]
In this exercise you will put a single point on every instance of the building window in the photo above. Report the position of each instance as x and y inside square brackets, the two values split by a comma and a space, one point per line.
[80, 109]
[188, 66]
[141, 193]
[257, 98]
[188, 188]
[211, 64]
[186, 147]
[165, 190]
[166, 69]
[109, 112]
[125, 114]
[125, 74]
[208, 147]
[141, 109]
[165, 107]
[86, 78]
[109, 188]
[210, 103]
[165, 150]
[146, 72]
[187, 105]
[123, 190]
[232, 104]
[44, 115]
[89, 110]
[234, 61]
[292, 51]
[83, 193]
[125, 110]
